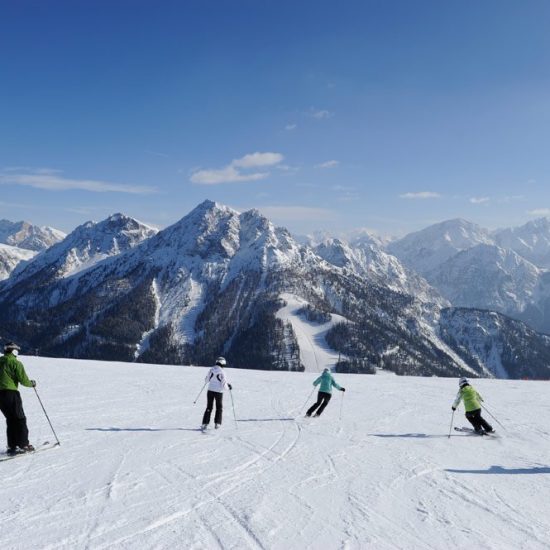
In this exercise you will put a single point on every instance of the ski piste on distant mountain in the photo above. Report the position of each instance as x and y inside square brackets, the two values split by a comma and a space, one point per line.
[213, 283]
[27, 236]
[11, 257]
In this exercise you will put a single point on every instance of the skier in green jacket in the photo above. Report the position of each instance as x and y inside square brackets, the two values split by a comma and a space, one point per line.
[325, 392]
[472, 406]
[12, 373]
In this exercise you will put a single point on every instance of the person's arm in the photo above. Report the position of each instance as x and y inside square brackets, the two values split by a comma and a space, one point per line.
[208, 376]
[317, 382]
[457, 400]
[479, 396]
[22, 377]
[337, 386]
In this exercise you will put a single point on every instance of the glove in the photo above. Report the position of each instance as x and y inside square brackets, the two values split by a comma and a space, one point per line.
[33, 383]
[342, 389]
[230, 387]
[454, 408]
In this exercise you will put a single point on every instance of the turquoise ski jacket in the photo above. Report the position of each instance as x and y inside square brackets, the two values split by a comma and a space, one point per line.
[327, 381]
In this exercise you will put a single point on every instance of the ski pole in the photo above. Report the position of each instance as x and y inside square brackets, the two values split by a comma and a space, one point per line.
[306, 401]
[233, 407]
[341, 405]
[40, 401]
[489, 412]
[451, 426]
[200, 393]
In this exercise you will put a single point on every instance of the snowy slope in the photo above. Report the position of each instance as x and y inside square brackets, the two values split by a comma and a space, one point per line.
[133, 472]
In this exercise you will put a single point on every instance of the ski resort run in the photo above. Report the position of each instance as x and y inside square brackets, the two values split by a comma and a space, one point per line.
[376, 471]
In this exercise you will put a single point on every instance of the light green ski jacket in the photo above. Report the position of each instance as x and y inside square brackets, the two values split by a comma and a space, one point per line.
[472, 399]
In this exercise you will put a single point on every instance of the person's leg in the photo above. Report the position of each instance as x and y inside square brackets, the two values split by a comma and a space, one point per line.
[5, 408]
[326, 398]
[484, 424]
[311, 410]
[209, 404]
[473, 417]
[219, 408]
[20, 424]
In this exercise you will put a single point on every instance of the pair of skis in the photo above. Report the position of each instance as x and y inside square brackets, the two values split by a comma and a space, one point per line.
[43, 447]
[473, 432]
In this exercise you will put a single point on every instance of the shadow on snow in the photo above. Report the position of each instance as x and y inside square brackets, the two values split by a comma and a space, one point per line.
[414, 435]
[501, 470]
[113, 429]
[264, 419]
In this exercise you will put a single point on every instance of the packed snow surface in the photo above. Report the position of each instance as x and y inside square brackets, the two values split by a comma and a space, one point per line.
[134, 472]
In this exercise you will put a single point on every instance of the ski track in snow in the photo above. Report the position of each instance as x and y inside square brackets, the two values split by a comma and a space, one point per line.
[133, 470]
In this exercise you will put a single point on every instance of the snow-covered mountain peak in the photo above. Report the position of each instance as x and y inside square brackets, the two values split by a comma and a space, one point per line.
[88, 244]
[30, 237]
[532, 241]
[426, 249]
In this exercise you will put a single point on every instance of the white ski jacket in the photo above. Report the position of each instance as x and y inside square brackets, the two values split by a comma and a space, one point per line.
[216, 379]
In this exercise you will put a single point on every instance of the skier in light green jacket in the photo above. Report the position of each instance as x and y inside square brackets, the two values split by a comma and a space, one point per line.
[325, 392]
[472, 405]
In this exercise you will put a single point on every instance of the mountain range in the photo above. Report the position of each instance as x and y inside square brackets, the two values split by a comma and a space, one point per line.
[216, 281]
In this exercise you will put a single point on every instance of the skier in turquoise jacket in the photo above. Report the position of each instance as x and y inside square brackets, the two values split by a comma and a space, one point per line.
[325, 392]
[472, 405]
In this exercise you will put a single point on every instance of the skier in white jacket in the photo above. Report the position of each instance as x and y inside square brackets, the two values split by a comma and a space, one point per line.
[217, 383]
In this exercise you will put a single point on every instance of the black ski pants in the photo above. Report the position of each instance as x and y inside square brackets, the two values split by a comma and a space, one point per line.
[478, 422]
[322, 401]
[11, 406]
[211, 397]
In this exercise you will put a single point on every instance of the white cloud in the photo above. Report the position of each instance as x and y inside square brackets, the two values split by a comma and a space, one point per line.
[420, 195]
[283, 214]
[229, 174]
[320, 114]
[255, 160]
[479, 200]
[539, 212]
[328, 164]
[52, 180]
[233, 172]
[290, 127]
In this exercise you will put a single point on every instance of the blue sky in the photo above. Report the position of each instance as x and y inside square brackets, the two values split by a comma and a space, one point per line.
[383, 114]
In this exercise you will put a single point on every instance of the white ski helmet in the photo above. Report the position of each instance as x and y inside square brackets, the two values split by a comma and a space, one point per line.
[12, 346]
[463, 382]
[221, 361]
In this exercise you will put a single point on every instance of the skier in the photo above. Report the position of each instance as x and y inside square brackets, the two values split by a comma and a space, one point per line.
[217, 382]
[472, 405]
[325, 392]
[13, 373]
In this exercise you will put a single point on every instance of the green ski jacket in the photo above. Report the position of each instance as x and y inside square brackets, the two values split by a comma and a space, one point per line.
[12, 373]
